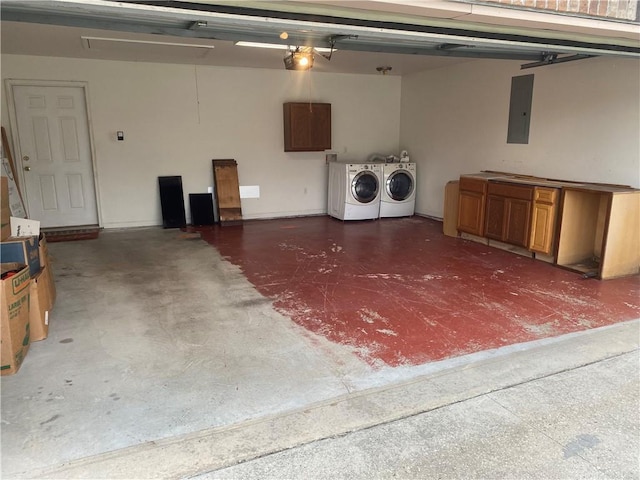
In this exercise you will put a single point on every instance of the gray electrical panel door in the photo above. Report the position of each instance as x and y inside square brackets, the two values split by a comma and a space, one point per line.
[520, 109]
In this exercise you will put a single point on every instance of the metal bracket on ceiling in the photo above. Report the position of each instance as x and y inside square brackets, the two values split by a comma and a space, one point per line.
[197, 25]
[551, 58]
[449, 46]
[332, 43]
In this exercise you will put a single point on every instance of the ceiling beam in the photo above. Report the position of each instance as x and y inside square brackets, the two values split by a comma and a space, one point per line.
[215, 22]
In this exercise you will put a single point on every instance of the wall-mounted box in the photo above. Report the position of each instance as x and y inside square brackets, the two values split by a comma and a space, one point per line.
[520, 109]
[307, 127]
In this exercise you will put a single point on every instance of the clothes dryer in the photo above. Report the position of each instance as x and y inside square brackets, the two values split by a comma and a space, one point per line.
[354, 190]
[398, 198]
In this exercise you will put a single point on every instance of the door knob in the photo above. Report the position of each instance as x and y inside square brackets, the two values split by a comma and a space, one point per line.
[27, 169]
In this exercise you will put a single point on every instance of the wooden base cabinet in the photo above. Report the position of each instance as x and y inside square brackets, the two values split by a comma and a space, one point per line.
[592, 228]
[600, 231]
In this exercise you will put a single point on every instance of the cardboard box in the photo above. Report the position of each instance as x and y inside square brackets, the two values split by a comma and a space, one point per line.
[45, 262]
[5, 209]
[39, 306]
[23, 227]
[14, 317]
[21, 250]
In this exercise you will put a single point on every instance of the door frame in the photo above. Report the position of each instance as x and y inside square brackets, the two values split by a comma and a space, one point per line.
[10, 83]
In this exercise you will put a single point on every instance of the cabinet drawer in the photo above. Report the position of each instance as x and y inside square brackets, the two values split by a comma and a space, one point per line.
[511, 191]
[546, 195]
[473, 184]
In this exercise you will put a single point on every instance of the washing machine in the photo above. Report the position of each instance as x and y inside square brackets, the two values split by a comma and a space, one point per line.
[398, 197]
[354, 190]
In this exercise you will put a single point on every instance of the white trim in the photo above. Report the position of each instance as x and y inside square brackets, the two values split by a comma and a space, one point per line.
[10, 83]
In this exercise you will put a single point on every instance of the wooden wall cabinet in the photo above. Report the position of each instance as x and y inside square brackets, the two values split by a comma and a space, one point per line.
[543, 220]
[472, 194]
[307, 127]
[508, 215]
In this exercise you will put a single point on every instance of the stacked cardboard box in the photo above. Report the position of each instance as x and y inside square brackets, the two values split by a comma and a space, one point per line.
[21, 250]
[14, 316]
[28, 290]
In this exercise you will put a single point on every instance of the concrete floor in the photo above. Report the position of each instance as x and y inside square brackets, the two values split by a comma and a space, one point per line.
[580, 423]
[164, 361]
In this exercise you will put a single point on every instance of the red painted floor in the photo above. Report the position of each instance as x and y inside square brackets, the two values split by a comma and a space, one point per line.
[400, 292]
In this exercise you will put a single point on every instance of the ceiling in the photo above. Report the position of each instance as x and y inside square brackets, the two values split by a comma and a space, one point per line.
[52, 40]
[408, 36]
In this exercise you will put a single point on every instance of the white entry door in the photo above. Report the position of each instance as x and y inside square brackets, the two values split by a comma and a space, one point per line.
[55, 155]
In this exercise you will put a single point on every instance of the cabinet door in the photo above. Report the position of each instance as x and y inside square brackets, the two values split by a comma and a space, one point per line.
[542, 228]
[297, 127]
[518, 218]
[471, 212]
[307, 127]
[494, 227]
[320, 134]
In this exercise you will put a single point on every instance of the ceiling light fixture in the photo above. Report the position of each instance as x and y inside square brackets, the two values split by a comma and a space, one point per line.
[299, 59]
[384, 70]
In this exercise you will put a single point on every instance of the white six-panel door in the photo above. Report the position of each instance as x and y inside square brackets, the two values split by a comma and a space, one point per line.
[55, 155]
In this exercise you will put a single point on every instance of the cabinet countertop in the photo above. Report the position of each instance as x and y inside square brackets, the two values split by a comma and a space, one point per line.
[504, 177]
[603, 188]
[535, 182]
[484, 175]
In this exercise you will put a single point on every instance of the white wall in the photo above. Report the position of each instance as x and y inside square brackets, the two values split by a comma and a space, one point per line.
[176, 118]
[453, 120]
[585, 123]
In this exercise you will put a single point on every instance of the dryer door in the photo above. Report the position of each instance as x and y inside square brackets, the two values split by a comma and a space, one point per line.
[400, 185]
[364, 187]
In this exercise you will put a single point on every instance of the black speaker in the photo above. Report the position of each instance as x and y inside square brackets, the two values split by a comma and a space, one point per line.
[172, 202]
[201, 208]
